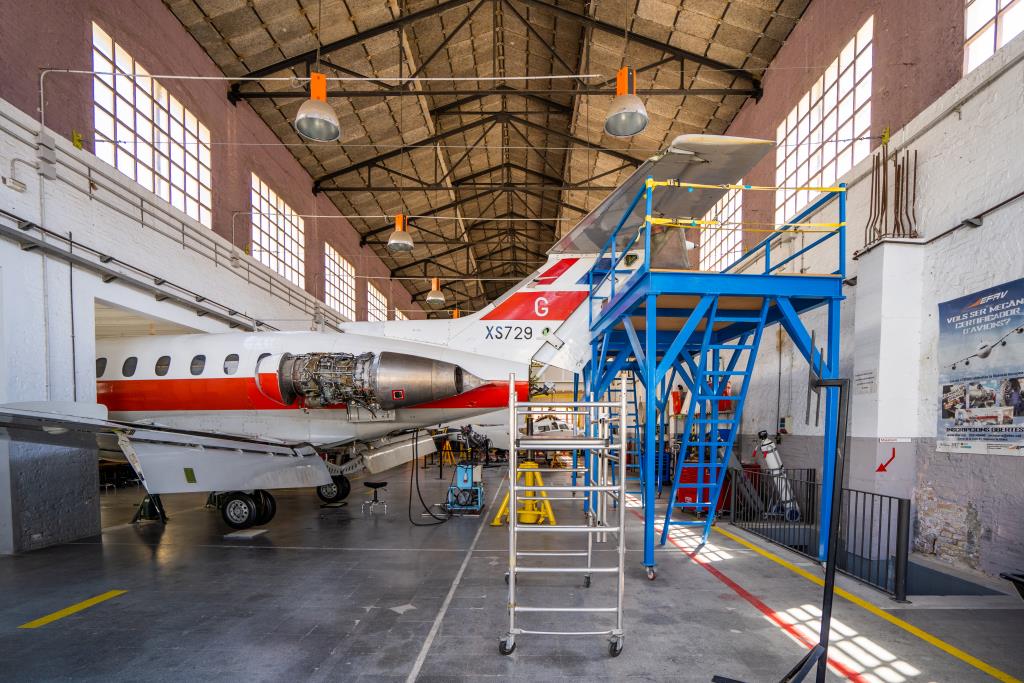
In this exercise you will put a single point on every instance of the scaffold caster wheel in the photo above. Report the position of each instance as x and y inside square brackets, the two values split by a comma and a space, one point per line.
[615, 647]
[586, 582]
[507, 646]
[651, 574]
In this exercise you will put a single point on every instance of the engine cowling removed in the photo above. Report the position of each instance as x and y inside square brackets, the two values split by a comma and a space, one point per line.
[375, 381]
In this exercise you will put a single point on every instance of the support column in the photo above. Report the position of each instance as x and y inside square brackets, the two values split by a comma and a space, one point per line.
[49, 489]
[828, 460]
[650, 409]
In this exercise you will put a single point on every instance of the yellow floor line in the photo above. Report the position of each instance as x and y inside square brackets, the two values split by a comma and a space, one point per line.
[77, 607]
[880, 613]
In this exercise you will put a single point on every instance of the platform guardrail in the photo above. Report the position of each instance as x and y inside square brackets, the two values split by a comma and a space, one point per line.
[874, 529]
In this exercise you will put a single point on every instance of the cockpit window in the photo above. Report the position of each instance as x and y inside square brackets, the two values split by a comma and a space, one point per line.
[197, 365]
[231, 364]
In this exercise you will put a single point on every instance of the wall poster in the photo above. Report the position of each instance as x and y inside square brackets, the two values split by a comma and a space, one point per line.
[981, 372]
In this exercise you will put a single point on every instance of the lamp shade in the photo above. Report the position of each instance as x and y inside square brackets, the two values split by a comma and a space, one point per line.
[435, 297]
[316, 119]
[400, 240]
[626, 115]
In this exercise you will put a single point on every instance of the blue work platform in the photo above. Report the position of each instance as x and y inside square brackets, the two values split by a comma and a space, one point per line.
[671, 325]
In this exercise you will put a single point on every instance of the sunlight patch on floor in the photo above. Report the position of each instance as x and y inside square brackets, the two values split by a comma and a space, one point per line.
[688, 540]
[848, 648]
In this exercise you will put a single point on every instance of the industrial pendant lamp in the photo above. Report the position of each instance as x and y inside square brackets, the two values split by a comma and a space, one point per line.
[435, 297]
[400, 240]
[627, 115]
[316, 119]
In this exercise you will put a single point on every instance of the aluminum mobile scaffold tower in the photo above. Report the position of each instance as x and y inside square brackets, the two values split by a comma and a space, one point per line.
[604, 450]
[703, 329]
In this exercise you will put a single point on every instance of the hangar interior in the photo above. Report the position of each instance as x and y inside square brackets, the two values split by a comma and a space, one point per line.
[397, 340]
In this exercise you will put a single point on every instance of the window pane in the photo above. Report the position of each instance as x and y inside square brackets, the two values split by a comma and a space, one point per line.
[145, 112]
[376, 304]
[101, 367]
[979, 13]
[339, 283]
[128, 368]
[197, 365]
[809, 158]
[231, 364]
[278, 238]
[721, 241]
[1011, 22]
[102, 42]
[981, 47]
[163, 364]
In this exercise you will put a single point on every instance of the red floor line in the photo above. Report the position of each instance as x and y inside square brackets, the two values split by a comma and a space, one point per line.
[762, 607]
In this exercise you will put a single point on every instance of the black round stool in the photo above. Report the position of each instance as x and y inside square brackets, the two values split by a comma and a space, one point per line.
[375, 501]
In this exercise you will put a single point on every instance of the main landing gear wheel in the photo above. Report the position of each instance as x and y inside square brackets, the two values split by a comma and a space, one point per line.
[507, 646]
[266, 506]
[238, 510]
[615, 647]
[337, 490]
[651, 574]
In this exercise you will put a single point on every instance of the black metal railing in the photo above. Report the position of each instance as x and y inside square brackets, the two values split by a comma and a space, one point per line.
[874, 529]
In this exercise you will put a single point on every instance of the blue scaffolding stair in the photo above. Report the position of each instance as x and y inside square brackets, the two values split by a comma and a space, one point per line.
[711, 433]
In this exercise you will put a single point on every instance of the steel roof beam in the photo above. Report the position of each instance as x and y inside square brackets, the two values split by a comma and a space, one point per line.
[455, 92]
[498, 186]
[503, 89]
[373, 161]
[431, 212]
[642, 40]
[356, 38]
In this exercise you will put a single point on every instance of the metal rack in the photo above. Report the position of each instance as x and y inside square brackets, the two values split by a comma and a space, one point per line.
[603, 454]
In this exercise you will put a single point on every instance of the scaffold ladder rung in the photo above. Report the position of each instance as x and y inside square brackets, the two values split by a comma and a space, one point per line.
[707, 432]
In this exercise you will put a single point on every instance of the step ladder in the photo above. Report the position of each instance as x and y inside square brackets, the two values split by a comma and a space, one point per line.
[711, 432]
[632, 468]
[604, 451]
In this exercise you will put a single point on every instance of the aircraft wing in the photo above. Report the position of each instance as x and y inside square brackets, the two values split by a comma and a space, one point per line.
[704, 159]
[172, 460]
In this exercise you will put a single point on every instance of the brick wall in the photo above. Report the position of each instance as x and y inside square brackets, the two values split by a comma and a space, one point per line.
[59, 35]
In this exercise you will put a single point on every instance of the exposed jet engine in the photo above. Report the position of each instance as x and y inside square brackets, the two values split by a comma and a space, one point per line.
[375, 381]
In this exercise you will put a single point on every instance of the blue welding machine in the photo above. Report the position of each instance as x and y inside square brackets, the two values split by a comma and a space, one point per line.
[466, 494]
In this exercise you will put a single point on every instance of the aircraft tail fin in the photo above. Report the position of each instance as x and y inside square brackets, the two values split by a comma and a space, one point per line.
[537, 317]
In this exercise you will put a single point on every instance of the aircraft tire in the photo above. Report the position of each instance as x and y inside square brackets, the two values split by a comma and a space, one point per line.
[238, 510]
[266, 507]
[337, 490]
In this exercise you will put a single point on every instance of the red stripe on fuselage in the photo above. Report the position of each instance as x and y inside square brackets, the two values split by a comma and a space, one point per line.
[241, 393]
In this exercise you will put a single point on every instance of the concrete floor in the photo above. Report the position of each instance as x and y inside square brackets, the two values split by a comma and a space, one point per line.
[328, 594]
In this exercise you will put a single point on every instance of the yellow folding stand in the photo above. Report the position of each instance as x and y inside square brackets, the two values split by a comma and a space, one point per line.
[534, 510]
[448, 455]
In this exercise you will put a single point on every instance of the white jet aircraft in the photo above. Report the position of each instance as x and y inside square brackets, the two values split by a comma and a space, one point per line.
[237, 412]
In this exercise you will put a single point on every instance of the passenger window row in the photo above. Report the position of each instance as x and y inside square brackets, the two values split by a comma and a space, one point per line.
[163, 365]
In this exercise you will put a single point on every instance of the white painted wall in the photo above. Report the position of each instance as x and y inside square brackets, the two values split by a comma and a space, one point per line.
[970, 146]
[47, 342]
[971, 156]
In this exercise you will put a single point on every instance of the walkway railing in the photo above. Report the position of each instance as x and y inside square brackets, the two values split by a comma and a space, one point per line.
[603, 278]
[874, 529]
